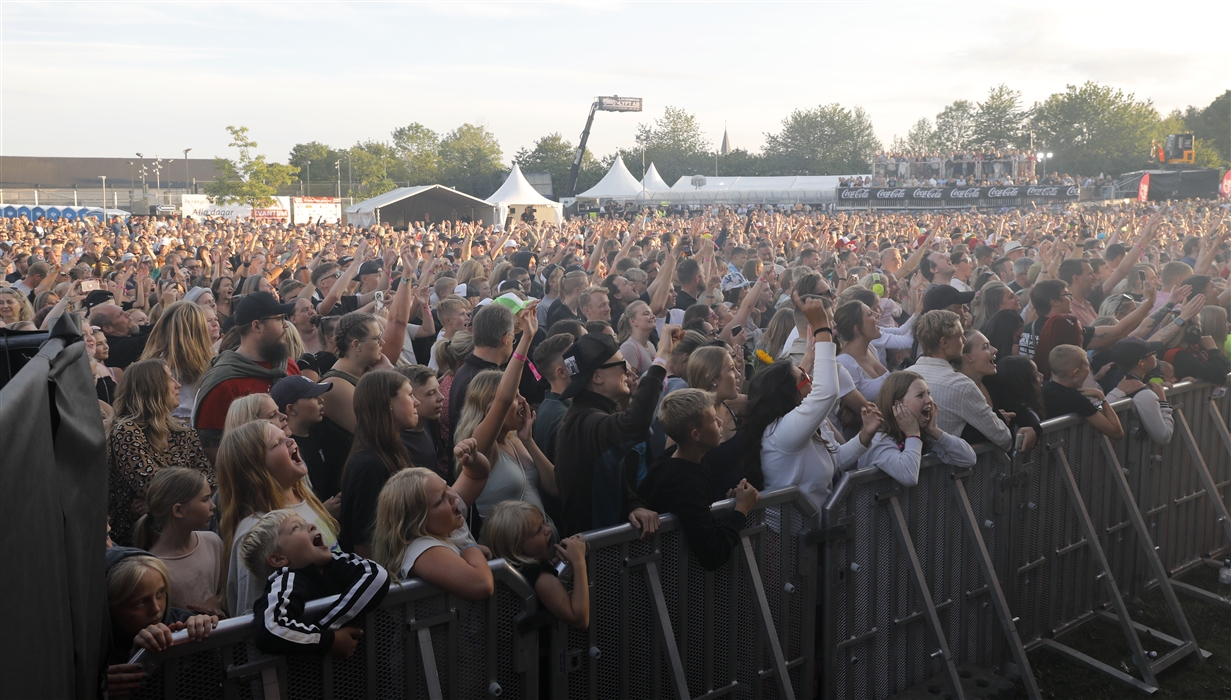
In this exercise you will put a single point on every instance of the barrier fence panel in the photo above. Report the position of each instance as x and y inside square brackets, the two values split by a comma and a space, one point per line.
[663, 626]
[909, 590]
[420, 643]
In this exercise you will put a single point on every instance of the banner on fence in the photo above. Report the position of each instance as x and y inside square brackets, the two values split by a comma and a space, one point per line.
[900, 196]
[198, 206]
[308, 210]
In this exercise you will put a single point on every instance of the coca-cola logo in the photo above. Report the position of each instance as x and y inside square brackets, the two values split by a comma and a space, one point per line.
[1073, 192]
[855, 194]
[890, 194]
[1042, 191]
[1002, 191]
[928, 194]
[968, 193]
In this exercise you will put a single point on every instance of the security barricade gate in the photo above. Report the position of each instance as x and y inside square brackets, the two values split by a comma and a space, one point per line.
[661, 626]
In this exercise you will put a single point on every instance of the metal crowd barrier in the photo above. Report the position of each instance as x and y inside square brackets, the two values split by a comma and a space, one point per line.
[970, 569]
[660, 626]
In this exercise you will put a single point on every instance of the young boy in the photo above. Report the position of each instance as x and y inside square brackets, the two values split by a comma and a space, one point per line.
[680, 485]
[301, 569]
[302, 400]
[1064, 393]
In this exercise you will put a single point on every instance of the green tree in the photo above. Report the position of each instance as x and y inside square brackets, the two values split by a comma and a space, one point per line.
[955, 126]
[418, 147]
[469, 153]
[1212, 127]
[827, 140]
[674, 143]
[318, 154]
[999, 119]
[376, 168]
[1095, 129]
[249, 179]
[921, 138]
[554, 154]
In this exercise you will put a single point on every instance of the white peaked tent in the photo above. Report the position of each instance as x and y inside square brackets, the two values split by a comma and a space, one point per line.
[516, 194]
[618, 183]
[653, 182]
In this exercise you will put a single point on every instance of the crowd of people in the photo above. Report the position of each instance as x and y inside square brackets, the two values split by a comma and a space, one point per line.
[969, 168]
[299, 411]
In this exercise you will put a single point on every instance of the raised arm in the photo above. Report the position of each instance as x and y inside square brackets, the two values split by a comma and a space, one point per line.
[347, 275]
[486, 433]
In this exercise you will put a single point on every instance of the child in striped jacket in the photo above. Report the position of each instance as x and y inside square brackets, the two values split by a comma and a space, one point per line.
[301, 568]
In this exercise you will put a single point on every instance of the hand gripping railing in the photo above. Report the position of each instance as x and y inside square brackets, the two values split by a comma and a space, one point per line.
[661, 626]
[420, 643]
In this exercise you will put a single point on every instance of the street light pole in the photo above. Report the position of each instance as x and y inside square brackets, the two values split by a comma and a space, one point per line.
[143, 192]
[350, 178]
[309, 178]
[186, 152]
[338, 166]
[103, 220]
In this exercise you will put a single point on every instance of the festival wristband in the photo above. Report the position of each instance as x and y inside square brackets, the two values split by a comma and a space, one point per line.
[533, 370]
[659, 361]
[822, 329]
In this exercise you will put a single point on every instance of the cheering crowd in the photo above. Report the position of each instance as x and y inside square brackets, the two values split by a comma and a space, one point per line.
[299, 411]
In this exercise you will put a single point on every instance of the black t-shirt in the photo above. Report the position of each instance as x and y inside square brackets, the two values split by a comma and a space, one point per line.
[324, 476]
[127, 349]
[422, 450]
[683, 299]
[365, 476]
[560, 312]
[1061, 400]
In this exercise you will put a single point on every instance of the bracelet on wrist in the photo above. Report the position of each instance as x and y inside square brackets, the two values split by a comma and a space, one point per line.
[519, 356]
[822, 329]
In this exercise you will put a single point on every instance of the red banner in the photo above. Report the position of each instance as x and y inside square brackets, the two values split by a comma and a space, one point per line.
[1225, 189]
[1143, 189]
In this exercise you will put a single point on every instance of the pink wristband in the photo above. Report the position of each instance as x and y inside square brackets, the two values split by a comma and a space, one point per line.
[533, 370]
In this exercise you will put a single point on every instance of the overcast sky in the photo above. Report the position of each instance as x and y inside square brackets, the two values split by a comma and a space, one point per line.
[111, 79]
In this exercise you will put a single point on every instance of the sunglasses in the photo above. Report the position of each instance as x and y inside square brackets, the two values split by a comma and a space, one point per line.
[609, 365]
[804, 381]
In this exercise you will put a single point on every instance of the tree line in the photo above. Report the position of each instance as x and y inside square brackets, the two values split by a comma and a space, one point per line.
[1090, 129]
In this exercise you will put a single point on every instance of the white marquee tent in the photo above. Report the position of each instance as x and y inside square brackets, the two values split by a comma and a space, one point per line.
[516, 195]
[653, 182]
[617, 184]
[818, 189]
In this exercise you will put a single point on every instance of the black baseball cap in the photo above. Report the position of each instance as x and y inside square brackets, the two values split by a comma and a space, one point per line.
[1128, 352]
[258, 305]
[97, 297]
[585, 356]
[290, 389]
[942, 296]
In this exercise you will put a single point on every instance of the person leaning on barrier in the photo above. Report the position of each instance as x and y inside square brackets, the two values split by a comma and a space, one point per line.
[680, 484]
[1137, 360]
[600, 449]
[961, 402]
[909, 431]
[1064, 394]
[299, 567]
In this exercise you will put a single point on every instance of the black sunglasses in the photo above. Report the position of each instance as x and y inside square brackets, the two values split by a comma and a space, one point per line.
[609, 365]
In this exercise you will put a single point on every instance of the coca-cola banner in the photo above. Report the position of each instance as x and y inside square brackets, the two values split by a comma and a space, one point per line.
[972, 196]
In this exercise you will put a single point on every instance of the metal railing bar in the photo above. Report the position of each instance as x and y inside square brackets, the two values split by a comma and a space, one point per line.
[761, 607]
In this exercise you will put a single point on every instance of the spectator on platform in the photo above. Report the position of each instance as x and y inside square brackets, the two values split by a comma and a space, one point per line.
[1065, 392]
[298, 568]
[145, 439]
[176, 530]
[908, 431]
[259, 471]
[682, 485]
[518, 532]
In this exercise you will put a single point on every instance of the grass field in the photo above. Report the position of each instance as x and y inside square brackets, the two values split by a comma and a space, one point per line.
[1189, 679]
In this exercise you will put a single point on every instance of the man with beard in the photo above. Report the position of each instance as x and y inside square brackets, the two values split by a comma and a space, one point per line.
[259, 362]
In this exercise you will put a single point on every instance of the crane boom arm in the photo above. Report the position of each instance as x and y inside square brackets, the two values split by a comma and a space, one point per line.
[581, 151]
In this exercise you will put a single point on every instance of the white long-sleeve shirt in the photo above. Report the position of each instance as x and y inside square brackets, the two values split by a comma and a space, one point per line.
[790, 453]
[901, 461]
[1155, 415]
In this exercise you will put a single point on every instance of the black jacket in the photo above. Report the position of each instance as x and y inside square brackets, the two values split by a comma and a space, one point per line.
[360, 584]
[601, 455]
[684, 488]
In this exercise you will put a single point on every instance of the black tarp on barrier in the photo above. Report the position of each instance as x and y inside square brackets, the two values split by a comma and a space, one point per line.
[1172, 184]
[53, 521]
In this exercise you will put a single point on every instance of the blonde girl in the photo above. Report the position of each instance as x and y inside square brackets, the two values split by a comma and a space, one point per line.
[176, 530]
[181, 338]
[517, 532]
[252, 407]
[259, 470]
